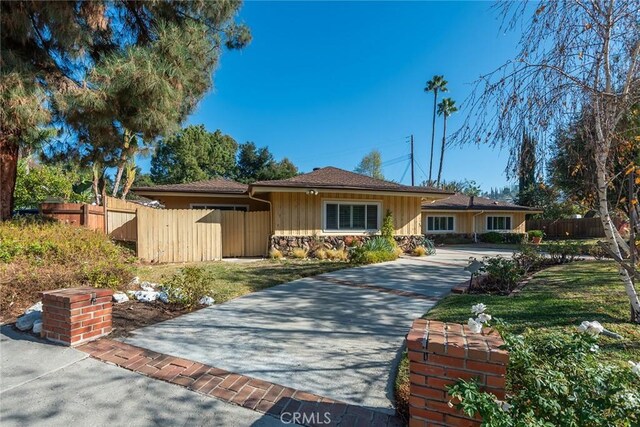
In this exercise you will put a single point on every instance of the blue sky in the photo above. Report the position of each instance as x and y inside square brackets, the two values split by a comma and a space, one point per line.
[324, 83]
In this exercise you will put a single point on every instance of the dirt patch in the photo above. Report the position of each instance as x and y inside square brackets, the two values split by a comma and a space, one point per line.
[132, 315]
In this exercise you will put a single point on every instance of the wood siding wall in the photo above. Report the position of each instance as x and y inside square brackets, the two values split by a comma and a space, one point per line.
[179, 235]
[300, 214]
[464, 221]
[184, 202]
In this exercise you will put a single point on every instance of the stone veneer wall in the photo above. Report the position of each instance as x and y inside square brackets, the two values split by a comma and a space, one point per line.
[287, 243]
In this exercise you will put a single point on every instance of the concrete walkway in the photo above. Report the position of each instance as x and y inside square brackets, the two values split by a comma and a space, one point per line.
[341, 341]
[49, 385]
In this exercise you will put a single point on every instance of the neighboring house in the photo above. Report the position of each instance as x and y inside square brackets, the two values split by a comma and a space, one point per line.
[328, 204]
[469, 216]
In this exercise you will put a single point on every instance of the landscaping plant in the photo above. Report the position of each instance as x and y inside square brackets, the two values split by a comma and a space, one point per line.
[188, 286]
[299, 253]
[275, 253]
[554, 379]
[38, 254]
[378, 249]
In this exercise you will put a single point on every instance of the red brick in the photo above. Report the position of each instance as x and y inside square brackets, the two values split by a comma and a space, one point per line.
[416, 356]
[201, 382]
[228, 382]
[259, 384]
[460, 422]
[213, 383]
[307, 397]
[426, 414]
[457, 374]
[427, 369]
[236, 386]
[195, 370]
[222, 393]
[273, 393]
[242, 395]
[255, 397]
[497, 382]
[439, 383]
[427, 392]
[264, 406]
[417, 379]
[489, 368]
[445, 360]
[93, 321]
[91, 334]
[500, 356]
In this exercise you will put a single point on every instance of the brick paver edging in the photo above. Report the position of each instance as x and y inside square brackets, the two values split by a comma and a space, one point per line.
[376, 288]
[252, 393]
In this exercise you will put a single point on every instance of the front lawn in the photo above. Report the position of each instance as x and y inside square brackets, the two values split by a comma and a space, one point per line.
[233, 279]
[558, 298]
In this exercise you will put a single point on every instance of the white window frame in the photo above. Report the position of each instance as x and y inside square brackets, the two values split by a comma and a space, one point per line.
[501, 230]
[212, 206]
[442, 231]
[350, 202]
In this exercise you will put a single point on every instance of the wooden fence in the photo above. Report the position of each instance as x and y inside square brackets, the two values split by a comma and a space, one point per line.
[187, 235]
[79, 214]
[574, 228]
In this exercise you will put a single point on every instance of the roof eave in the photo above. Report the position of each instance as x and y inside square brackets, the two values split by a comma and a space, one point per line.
[322, 189]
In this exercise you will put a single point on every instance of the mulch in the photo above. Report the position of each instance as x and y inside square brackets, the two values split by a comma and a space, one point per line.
[131, 315]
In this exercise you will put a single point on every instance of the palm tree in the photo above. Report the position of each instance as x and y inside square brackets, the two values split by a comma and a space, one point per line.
[446, 107]
[435, 85]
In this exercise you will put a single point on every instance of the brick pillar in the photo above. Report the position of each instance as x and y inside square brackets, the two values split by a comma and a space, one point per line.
[76, 315]
[439, 355]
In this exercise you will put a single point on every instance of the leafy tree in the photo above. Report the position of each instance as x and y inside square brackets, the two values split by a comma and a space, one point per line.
[575, 58]
[435, 85]
[36, 184]
[193, 154]
[446, 107]
[527, 162]
[572, 167]
[467, 187]
[258, 164]
[371, 165]
[98, 66]
[549, 199]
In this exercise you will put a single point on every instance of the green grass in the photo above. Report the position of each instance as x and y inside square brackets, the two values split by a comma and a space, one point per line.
[230, 280]
[559, 298]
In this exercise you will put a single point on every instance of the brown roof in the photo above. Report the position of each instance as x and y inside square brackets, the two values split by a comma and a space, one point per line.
[463, 202]
[339, 179]
[222, 186]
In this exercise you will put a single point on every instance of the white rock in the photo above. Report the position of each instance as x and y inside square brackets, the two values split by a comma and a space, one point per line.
[26, 321]
[147, 286]
[162, 296]
[37, 326]
[206, 301]
[135, 281]
[146, 296]
[120, 297]
[35, 307]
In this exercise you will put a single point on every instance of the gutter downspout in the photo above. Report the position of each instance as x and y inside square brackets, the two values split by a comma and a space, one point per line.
[250, 194]
[475, 234]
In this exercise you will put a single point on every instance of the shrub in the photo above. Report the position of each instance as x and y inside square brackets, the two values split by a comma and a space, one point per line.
[299, 253]
[337, 254]
[503, 275]
[320, 254]
[388, 229]
[535, 233]
[495, 237]
[429, 246]
[420, 251]
[491, 237]
[563, 252]
[529, 258]
[275, 253]
[378, 244]
[39, 254]
[556, 379]
[188, 286]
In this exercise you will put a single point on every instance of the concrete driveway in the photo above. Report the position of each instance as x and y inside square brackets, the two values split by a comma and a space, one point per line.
[42, 384]
[338, 335]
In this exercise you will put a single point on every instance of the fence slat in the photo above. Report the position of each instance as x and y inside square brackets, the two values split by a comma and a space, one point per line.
[572, 228]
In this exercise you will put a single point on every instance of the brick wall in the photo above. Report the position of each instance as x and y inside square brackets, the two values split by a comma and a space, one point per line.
[440, 354]
[76, 315]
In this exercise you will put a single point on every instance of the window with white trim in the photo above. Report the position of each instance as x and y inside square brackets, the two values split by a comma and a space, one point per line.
[241, 208]
[440, 223]
[498, 223]
[351, 216]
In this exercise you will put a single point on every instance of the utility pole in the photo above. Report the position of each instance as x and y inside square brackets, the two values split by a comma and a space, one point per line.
[412, 162]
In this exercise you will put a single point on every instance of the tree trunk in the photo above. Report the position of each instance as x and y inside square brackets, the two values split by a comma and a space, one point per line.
[433, 131]
[444, 141]
[602, 153]
[9, 153]
[124, 156]
[131, 176]
[95, 183]
[116, 183]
